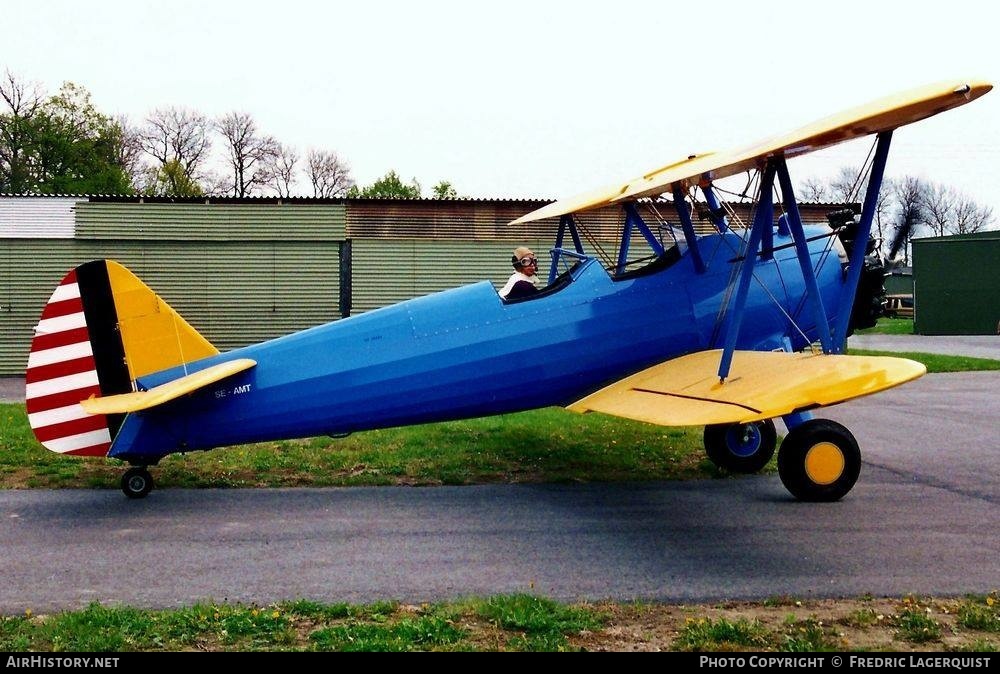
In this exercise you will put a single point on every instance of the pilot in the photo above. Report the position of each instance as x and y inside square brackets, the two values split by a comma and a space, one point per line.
[522, 282]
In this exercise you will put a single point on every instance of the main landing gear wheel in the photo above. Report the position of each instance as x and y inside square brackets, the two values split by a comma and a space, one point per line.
[137, 482]
[741, 448]
[819, 460]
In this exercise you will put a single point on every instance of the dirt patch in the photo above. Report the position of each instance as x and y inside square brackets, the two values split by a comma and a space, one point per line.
[862, 624]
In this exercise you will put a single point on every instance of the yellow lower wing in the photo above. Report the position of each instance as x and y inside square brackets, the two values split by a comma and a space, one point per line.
[762, 385]
[164, 393]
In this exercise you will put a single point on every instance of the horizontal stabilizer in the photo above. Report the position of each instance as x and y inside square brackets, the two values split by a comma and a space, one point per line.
[762, 385]
[164, 393]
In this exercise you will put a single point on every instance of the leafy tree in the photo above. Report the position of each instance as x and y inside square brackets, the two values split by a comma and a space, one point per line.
[444, 190]
[60, 144]
[17, 131]
[78, 147]
[388, 186]
[170, 180]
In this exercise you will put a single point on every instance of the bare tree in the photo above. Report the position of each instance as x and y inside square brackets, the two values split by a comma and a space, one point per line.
[971, 217]
[911, 197]
[846, 187]
[128, 149]
[22, 102]
[813, 189]
[281, 170]
[883, 209]
[939, 203]
[180, 138]
[329, 174]
[249, 153]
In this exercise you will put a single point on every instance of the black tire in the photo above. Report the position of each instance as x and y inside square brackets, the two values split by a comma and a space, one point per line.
[819, 461]
[741, 448]
[137, 482]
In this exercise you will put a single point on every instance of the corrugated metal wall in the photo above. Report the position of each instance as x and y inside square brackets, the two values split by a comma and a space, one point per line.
[956, 287]
[899, 285]
[210, 221]
[233, 293]
[29, 272]
[239, 273]
[409, 248]
[385, 272]
[37, 218]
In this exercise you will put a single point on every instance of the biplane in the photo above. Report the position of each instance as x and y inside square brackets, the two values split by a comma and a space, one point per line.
[728, 329]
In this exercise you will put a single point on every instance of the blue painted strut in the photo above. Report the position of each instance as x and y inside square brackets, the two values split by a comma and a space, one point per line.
[684, 213]
[565, 222]
[632, 215]
[857, 261]
[762, 219]
[715, 206]
[802, 250]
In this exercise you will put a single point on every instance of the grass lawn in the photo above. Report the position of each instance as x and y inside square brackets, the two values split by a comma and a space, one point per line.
[521, 622]
[890, 326]
[547, 445]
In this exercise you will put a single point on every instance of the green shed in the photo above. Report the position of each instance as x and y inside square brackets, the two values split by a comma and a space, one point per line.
[956, 284]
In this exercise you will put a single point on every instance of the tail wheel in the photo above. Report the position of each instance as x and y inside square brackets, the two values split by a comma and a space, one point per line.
[137, 482]
[819, 460]
[741, 448]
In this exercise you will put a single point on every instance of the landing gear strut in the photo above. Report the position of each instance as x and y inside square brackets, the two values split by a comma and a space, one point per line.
[137, 482]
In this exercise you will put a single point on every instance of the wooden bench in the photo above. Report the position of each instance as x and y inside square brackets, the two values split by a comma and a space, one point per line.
[899, 306]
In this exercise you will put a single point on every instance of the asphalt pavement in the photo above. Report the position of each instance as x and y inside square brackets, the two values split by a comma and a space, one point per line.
[924, 518]
[978, 346]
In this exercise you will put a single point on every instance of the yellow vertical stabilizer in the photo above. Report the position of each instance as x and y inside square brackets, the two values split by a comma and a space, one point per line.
[154, 336]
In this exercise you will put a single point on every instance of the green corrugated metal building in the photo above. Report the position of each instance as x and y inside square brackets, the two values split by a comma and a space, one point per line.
[899, 283]
[242, 271]
[956, 284]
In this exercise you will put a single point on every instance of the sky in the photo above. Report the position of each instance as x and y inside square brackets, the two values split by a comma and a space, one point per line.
[531, 99]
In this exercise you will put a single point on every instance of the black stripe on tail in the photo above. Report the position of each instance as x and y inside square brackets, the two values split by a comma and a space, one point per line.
[105, 336]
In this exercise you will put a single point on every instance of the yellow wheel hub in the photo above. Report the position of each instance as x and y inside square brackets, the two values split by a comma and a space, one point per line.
[824, 463]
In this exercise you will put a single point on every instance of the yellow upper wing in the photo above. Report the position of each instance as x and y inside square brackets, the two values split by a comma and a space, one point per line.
[762, 385]
[164, 393]
[883, 114]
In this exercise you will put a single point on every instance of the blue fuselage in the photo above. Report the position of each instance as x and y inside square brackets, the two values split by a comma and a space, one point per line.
[465, 353]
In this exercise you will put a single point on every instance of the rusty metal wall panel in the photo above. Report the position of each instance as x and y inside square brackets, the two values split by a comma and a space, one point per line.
[464, 220]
